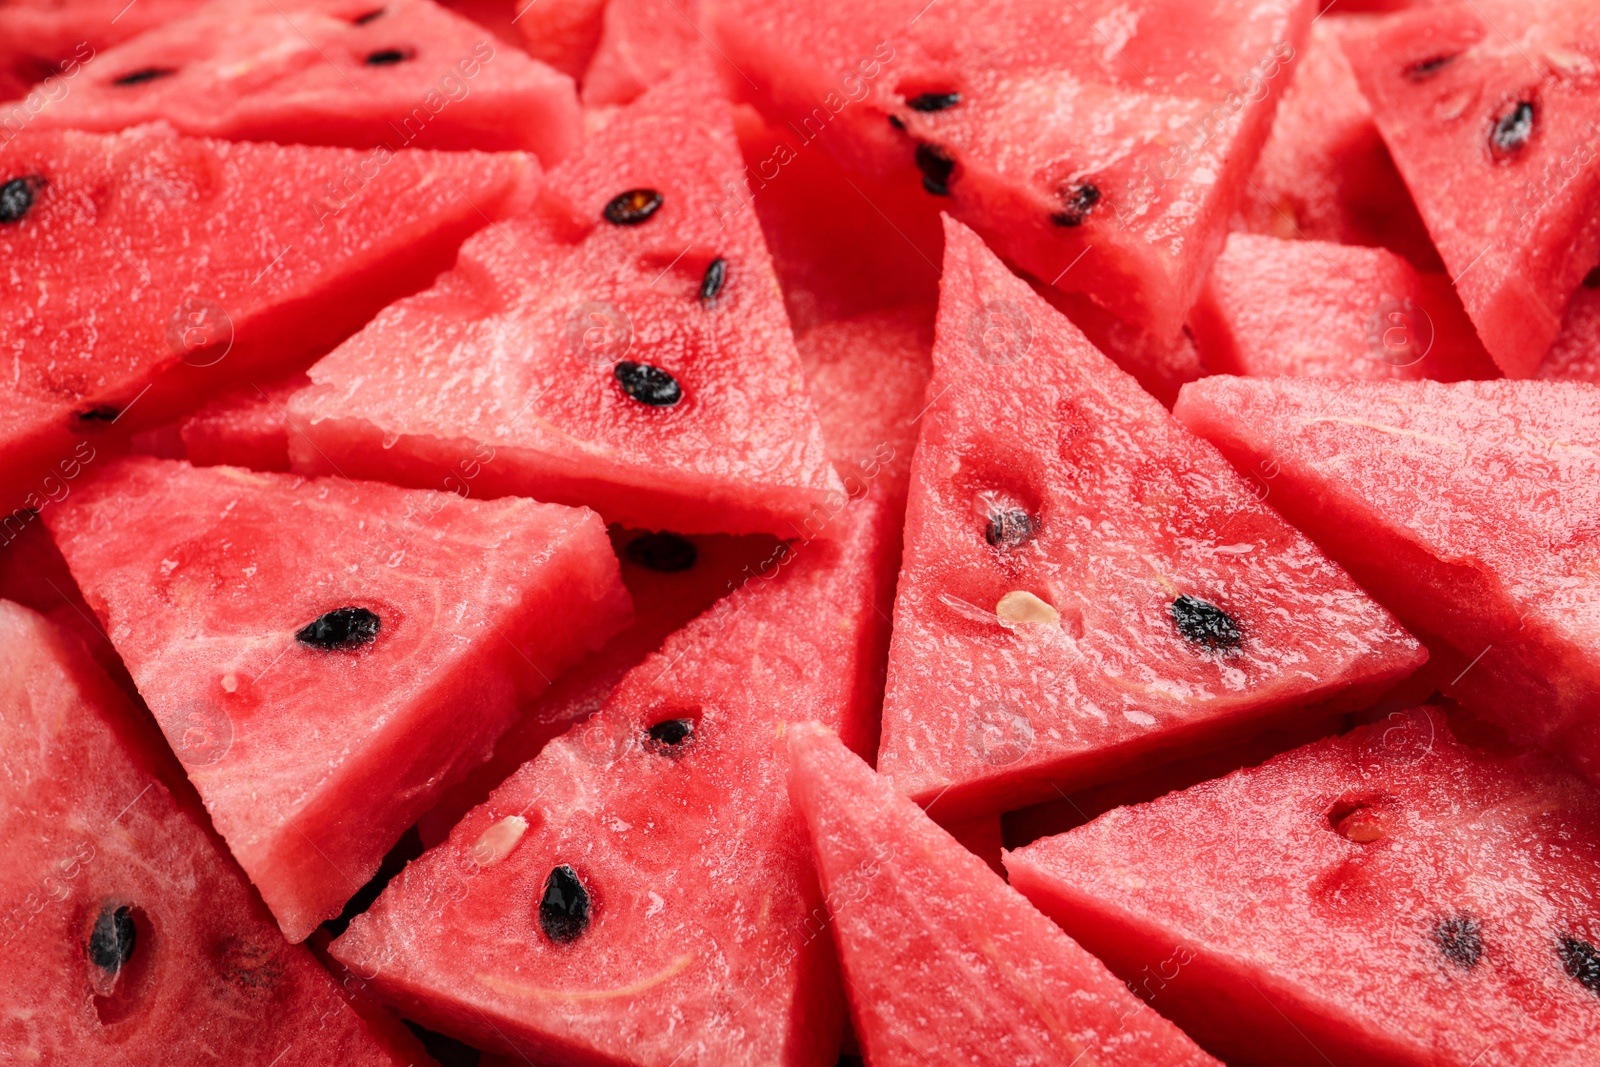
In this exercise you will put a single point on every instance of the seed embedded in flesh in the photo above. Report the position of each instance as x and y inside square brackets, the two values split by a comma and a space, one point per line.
[362, 20]
[894, 120]
[711, 283]
[664, 552]
[1460, 939]
[496, 843]
[98, 413]
[139, 77]
[1020, 606]
[936, 168]
[1201, 622]
[1513, 129]
[632, 207]
[1423, 69]
[388, 57]
[1076, 205]
[341, 629]
[1010, 528]
[933, 101]
[112, 939]
[16, 198]
[648, 385]
[564, 908]
[670, 737]
[1581, 961]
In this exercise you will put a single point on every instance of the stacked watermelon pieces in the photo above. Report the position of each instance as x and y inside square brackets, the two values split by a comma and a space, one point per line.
[643, 532]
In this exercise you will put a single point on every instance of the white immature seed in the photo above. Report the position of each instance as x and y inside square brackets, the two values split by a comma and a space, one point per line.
[1020, 606]
[498, 840]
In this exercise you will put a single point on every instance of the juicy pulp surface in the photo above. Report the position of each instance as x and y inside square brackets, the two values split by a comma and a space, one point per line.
[222, 262]
[1471, 510]
[33, 574]
[313, 761]
[511, 356]
[1273, 307]
[90, 825]
[944, 962]
[988, 709]
[642, 42]
[1517, 229]
[1163, 116]
[1383, 898]
[42, 39]
[1325, 173]
[562, 33]
[1575, 356]
[248, 427]
[304, 72]
[699, 878]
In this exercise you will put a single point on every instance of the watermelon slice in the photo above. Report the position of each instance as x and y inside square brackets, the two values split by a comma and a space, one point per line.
[671, 579]
[1487, 107]
[1086, 585]
[562, 33]
[248, 427]
[223, 261]
[1100, 131]
[642, 891]
[401, 74]
[1388, 897]
[623, 346]
[1325, 173]
[325, 656]
[1312, 308]
[1472, 510]
[49, 41]
[944, 962]
[1575, 356]
[642, 42]
[130, 936]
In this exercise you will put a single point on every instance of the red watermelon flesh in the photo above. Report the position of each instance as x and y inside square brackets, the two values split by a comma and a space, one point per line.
[944, 962]
[314, 753]
[188, 968]
[1472, 510]
[1086, 585]
[1325, 173]
[1160, 364]
[33, 574]
[982, 837]
[223, 262]
[671, 579]
[842, 244]
[1097, 130]
[669, 808]
[562, 33]
[1488, 109]
[1317, 309]
[525, 352]
[1575, 356]
[322, 72]
[1390, 897]
[50, 40]
[642, 42]
[248, 427]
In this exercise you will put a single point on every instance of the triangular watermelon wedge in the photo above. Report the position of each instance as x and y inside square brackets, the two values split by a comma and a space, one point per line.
[1472, 510]
[943, 961]
[151, 271]
[326, 656]
[352, 73]
[642, 892]
[131, 937]
[1087, 585]
[45, 43]
[1487, 107]
[623, 345]
[1386, 897]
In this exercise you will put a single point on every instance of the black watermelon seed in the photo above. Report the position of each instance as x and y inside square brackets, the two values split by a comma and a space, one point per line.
[933, 101]
[632, 207]
[664, 552]
[711, 284]
[16, 198]
[112, 939]
[1203, 623]
[647, 384]
[894, 120]
[1076, 205]
[564, 908]
[362, 20]
[1010, 528]
[388, 57]
[98, 413]
[936, 168]
[1513, 129]
[342, 628]
[1460, 939]
[1582, 962]
[1423, 69]
[148, 74]
[670, 737]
